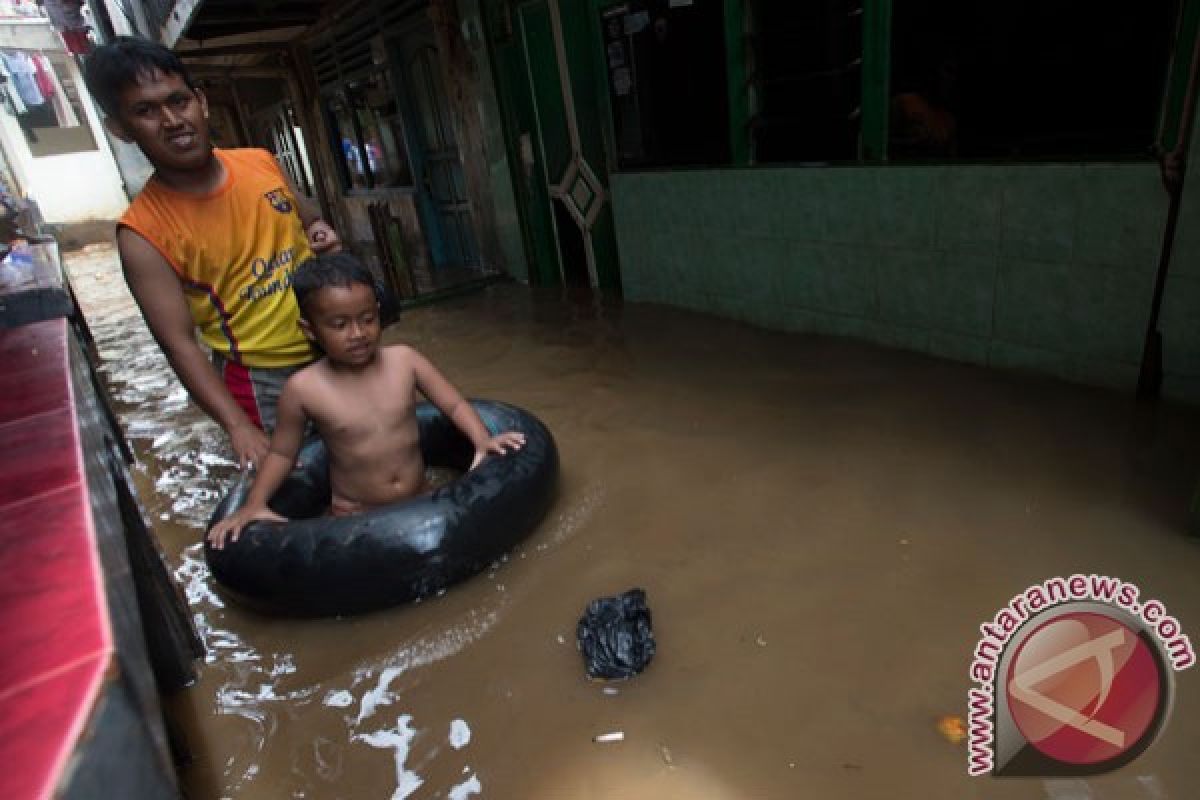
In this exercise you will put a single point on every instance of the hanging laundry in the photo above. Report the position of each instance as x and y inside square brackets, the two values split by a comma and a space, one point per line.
[20, 66]
[14, 101]
[43, 74]
[77, 41]
[65, 15]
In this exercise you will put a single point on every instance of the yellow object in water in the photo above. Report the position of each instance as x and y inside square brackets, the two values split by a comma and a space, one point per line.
[952, 728]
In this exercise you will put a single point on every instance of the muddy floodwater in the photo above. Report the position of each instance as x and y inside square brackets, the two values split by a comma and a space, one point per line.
[820, 526]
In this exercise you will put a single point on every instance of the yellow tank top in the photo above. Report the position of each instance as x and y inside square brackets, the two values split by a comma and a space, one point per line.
[234, 250]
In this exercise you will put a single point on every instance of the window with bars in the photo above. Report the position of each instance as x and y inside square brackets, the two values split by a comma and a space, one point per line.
[808, 78]
[1027, 78]
[367, 131]
[359, 97]
[287, 143]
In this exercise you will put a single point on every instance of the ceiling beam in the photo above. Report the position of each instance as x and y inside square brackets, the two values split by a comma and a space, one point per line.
[244, 49]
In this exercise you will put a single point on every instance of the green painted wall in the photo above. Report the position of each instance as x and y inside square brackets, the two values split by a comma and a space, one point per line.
[1046, 267]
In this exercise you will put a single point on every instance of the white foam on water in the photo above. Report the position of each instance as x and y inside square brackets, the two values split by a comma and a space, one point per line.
[378, 696]
[460, 734]
[465, 789]
[338, 698]
[284, 665]
[420, 653]
[400, 739]
[194, 576]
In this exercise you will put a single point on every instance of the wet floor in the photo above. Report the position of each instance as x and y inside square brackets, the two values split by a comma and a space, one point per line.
[820, 526]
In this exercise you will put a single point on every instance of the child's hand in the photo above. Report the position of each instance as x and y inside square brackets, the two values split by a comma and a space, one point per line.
[500, 445]
[231, 527]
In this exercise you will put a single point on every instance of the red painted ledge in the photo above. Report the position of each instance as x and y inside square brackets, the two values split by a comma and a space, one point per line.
[55, 640]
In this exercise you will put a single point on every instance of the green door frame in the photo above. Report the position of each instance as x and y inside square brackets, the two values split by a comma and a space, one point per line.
[531, 100]
[876, 79]
[737, 82]
[1175, 84]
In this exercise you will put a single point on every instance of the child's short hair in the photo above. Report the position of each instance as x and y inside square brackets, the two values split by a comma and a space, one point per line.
[342, 270]
[124, 61]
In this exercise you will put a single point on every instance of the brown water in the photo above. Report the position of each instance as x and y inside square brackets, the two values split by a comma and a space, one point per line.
[820, 526]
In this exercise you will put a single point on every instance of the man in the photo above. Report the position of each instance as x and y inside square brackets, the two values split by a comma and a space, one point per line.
[210, 243]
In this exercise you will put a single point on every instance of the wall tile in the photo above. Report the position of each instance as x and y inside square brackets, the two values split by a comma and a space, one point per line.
[829, 278]
[1099, 312]
[851, 214]
[673, 207]
[1039, 211]
[750, 203]
[798, 203]
[763, 262]
[905, 206]
[1122, 213]
[1185, 251]
[728, 265]
[968, 209]
[941, 291]
[712, 197]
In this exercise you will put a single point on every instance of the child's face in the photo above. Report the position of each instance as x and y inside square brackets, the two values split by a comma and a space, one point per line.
[344, 321]
[166, 119]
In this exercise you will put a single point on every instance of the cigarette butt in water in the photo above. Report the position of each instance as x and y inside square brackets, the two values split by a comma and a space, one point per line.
[615, 736]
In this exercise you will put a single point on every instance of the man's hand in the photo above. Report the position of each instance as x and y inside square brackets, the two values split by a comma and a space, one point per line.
[231, 527]
[322, 238]
[250, 443]
[500, 445]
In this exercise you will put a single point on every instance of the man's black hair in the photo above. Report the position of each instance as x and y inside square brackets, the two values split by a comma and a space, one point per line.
[334, 269]
[125, 61]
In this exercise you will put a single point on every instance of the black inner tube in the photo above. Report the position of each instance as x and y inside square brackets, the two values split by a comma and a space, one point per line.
[317, 565]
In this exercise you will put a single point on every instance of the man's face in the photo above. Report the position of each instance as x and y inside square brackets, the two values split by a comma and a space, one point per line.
[166, 119]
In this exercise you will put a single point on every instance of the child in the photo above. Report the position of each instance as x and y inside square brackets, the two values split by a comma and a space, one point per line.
[360, 397]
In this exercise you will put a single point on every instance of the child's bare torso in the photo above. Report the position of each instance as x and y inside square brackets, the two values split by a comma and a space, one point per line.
[367, 419]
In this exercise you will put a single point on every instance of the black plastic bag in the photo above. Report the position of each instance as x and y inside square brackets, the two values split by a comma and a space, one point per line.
[615, 636]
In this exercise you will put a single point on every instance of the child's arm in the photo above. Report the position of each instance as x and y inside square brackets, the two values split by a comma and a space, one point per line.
[450, 402]
[285, 444]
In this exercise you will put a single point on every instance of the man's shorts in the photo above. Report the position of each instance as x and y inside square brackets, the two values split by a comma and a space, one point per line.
[256, 389]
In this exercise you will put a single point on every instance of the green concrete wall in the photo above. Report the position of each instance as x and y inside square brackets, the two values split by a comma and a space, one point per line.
[1045, 267]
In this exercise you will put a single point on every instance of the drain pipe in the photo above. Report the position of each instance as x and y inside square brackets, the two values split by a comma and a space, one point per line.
[1174, 170]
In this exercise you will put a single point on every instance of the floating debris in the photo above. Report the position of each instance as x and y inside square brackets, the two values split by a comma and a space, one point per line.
[952, 728]
[605, 738]
[665, 752]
